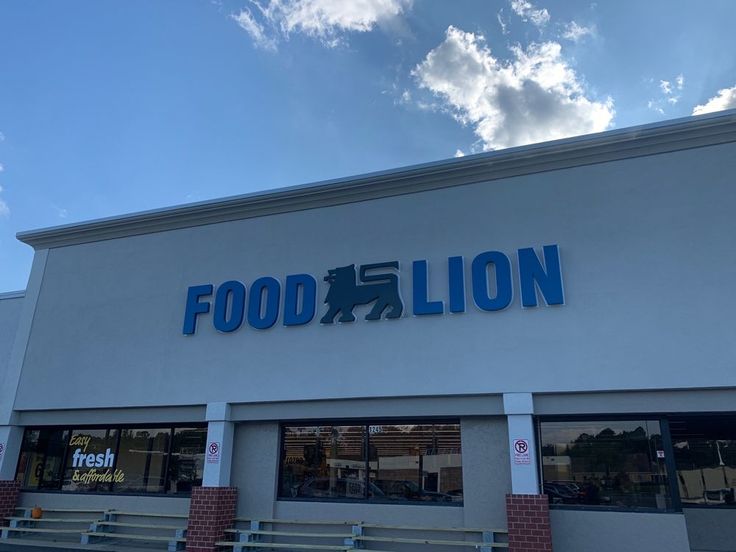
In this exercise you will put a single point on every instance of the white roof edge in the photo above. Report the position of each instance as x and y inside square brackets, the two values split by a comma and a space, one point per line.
[13, 294]
[648, 139]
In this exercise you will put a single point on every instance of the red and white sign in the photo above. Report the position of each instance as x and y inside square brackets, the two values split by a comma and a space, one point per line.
[521, 451]
[213, 452]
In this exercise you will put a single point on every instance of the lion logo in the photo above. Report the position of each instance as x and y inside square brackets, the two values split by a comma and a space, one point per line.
[345, 293]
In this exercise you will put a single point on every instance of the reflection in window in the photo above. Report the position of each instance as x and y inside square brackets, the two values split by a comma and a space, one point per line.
[409, 462]
[142, 460]
[187, 459]
[417, 462]
[324, 462]
[705, 458]
[604, 463]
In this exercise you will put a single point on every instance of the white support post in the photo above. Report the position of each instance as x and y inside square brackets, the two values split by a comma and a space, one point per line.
[219, 449]
[519, 409]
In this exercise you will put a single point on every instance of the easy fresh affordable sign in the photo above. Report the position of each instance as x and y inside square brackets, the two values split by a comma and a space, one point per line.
[266, 301]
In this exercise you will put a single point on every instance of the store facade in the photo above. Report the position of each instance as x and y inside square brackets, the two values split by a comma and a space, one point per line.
[454, 344]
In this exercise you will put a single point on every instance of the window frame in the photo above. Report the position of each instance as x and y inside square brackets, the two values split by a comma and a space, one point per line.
[365, 423]
[119, 427]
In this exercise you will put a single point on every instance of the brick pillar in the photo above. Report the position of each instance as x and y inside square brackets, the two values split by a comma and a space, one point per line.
[9, 490]
[528, 519]
[211, 511]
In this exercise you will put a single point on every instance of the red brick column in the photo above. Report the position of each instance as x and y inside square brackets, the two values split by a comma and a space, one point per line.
[211, 511]
[9, 490]
[528, 519]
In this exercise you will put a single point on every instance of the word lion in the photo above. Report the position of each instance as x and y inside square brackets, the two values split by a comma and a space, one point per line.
[345, 294]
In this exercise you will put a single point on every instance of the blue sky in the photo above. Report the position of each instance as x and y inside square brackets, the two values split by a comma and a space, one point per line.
[108, 108]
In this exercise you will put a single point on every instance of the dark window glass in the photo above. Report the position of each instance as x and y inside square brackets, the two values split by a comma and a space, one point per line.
[416, 462]
[52, 443]
[141, 460]
[604, 463]
[41, 457]
[409, 462]
[705, 458]
[90, 460]
[186, 464]
[30, 464]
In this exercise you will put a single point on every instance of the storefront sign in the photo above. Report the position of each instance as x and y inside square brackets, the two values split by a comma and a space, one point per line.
[86, 458]
[377, 285]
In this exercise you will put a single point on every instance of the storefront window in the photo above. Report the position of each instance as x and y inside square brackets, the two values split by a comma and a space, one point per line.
[705, 458]
[605, 463]
[417, 462]
[90, 460]
[142, 460]
[380, 463]
[41, 457]
[129, 460]
[186, 464]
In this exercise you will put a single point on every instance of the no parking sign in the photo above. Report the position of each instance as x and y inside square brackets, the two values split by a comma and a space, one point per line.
[521, 451]
[213, 452]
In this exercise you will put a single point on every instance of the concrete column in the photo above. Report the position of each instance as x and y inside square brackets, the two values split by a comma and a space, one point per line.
[219, 450]
[519, 409]
[527, 509]
[212, 508]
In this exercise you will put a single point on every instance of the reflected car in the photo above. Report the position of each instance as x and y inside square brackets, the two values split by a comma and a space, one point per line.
[409, 490]
[325, 487]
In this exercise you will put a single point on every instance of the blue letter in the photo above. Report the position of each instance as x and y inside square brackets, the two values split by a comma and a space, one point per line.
[549, 282]
[194, 307]
[259, 317]
[421, 304]
[292, 316]
[504, 288]
[236, 290]
[456, 270]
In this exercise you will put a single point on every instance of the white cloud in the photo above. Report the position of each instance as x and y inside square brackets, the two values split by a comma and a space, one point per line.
[654, 106]
[248, 23]
[669, 93]
[528, 12]
[576, 33]
[535, 96]
[459, 153]
[502, 23]
[1, 167]
[4, 209]
[326, 20]
[724, 99]
[2, 137]
[60, 211]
